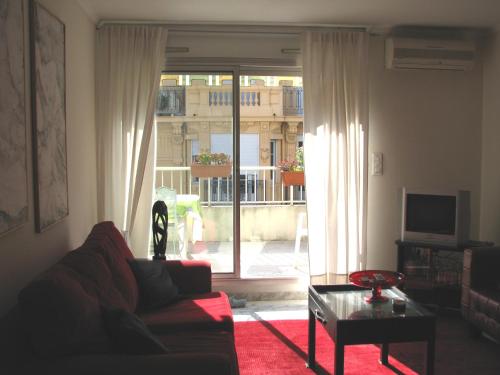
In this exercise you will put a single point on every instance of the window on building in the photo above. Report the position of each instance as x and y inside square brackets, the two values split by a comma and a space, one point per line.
[195, 149]
[300, 140]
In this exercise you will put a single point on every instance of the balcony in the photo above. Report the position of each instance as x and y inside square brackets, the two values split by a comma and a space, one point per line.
[258, 186]
[202, 100]
[270, 216]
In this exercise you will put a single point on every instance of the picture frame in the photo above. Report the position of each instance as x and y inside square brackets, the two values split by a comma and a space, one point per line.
[48, 108]
[13, 123]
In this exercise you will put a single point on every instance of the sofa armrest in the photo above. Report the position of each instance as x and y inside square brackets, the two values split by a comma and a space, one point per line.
[480, 270]
[481, 266]
[185, 363]
[190, 276]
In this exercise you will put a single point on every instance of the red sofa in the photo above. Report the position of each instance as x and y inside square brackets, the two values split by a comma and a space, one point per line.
[57, 326]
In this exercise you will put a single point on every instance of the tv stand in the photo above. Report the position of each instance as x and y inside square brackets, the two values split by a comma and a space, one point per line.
[433, 271]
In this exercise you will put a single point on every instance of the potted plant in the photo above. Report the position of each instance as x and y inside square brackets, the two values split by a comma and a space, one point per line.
[211, 165]
[292, 171]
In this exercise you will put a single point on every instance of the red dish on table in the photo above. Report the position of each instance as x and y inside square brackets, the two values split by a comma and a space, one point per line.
[376, 280]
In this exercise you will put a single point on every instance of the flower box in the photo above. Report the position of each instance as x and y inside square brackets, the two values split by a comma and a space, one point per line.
[207, 171]
[292, 178]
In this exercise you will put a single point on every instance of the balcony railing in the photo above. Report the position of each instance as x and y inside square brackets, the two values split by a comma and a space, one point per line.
[258, 186]
[220, 98]
[171, 101]
[250, 98]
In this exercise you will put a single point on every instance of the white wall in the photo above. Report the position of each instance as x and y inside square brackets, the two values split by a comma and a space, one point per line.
[490, 168]
[24, 253]
[427, 124]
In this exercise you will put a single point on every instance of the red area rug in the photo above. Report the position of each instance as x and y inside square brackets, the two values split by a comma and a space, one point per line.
[280, 347]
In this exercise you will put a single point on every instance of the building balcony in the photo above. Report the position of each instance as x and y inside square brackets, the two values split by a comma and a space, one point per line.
[217, 101]
[171, 101]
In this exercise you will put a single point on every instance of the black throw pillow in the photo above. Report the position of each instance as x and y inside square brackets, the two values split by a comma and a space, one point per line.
[155, 284]
[129, 334]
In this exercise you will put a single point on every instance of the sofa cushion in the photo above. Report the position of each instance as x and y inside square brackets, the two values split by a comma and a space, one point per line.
[92, 268]
[129, 334]
[197, 312]
[155, 284]
[108, 241]
[108, 230]
[61, 314]
[190, 276]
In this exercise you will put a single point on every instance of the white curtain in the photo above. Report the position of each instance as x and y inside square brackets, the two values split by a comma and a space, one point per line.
[129, 62]
[335, 146]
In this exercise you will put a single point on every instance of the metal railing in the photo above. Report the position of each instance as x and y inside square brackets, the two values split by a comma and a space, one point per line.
[293, 101]
[258, 186]
[171, 101]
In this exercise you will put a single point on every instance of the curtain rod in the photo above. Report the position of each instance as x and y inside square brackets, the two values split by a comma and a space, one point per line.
[260, 28]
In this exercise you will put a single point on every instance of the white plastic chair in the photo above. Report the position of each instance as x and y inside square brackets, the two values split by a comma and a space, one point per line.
[301, 232]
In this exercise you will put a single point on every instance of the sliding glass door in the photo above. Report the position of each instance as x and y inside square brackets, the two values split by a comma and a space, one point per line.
[194, 166]
[250, 226]
[273, 223]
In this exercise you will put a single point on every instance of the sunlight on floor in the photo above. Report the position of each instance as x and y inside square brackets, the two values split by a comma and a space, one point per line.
[271, 310]
[259, 259]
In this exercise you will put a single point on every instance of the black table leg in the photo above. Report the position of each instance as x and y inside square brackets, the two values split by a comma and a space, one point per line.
[384, 354]
[430, 356]
[339, 359]
[311, 345]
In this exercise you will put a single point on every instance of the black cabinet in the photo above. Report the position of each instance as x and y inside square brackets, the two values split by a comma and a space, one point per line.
[433, 272]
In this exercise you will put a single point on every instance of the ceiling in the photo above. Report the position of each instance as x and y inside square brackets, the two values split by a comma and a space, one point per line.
[375, 13]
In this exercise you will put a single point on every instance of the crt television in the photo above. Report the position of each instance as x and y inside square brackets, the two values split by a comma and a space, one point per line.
[435, 217]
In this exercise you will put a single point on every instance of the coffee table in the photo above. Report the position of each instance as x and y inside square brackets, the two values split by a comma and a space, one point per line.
[349, 320]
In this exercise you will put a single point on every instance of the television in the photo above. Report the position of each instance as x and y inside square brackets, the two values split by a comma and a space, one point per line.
[435, 217]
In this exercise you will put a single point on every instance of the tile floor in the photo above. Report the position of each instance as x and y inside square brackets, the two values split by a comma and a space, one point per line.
[259, 259]
[271, 310]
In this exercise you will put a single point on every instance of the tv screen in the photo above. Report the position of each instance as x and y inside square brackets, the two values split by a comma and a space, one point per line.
[430, 213]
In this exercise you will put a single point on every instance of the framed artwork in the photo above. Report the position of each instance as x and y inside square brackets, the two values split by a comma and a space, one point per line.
[48, 108]
[13, 169]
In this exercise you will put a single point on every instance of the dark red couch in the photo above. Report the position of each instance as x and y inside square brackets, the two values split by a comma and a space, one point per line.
[57, 326]
[481, 290]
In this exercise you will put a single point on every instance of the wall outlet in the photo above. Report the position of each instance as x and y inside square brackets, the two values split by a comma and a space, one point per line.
[377, 164]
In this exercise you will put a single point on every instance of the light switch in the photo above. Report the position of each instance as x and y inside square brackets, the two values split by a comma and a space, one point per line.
[377, 164]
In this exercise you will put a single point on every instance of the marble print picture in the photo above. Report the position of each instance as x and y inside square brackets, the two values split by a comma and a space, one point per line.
[13, 175]
[49, 118]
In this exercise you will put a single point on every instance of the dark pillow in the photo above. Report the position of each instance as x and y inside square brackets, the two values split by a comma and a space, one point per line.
[156, 287]
[129, 334]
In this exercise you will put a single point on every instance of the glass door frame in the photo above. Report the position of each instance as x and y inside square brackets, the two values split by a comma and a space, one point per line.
[235, 71]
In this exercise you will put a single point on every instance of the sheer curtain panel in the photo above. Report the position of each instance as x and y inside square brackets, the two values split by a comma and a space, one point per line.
[129, 61]
[335, 147]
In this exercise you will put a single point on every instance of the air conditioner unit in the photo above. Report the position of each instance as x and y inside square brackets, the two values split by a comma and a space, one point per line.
[406, 53]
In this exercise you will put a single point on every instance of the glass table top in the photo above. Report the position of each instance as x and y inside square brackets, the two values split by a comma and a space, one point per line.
[350, 305]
